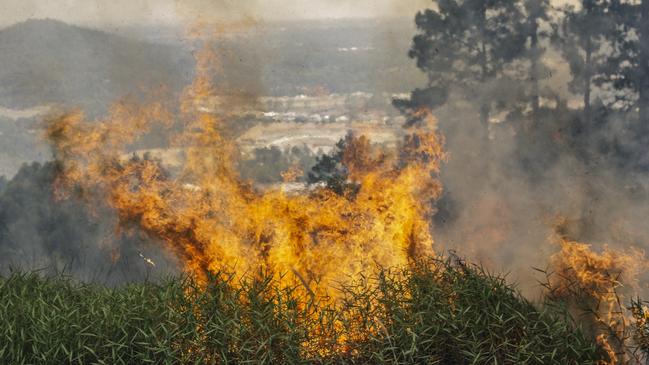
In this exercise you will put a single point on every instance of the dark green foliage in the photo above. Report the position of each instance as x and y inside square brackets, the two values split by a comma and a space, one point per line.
[463, 315]
[331, 170]
[435, 312]
[55, 321]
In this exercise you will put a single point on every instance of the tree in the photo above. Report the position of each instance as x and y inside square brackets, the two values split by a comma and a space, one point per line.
[329, 168]
[583, 44]
[625, 74]
[642, 65]
[266, 166]
[627, 66]
[3, 183]
[338, 168]
[466, 44]
[38, 231]
[536, 13]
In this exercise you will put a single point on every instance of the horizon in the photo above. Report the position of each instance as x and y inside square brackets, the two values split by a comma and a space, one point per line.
[267, 22]
[127, 13]
[100, 13]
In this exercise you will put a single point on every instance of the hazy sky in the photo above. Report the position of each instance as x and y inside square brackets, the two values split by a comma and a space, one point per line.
[99, 12]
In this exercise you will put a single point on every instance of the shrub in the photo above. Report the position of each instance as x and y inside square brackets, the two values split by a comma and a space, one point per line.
[434, 312]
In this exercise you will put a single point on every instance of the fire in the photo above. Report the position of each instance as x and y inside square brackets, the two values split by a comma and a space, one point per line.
[320, 238]
[598, 274]
[595, 286]
[317, 240]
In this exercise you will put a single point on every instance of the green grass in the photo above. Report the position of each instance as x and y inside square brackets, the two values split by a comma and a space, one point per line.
[432, 313]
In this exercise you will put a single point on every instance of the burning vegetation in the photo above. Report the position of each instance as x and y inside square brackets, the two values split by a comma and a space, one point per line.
[349, 262]
[596, 287]
[214, 221]
[431, 312]
[342, 272]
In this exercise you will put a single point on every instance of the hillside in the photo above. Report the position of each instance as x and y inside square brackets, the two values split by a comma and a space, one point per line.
[47, 61]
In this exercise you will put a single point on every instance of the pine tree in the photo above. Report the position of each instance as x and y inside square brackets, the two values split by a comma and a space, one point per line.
[464, 45]
[583, 43]
[537, 12]
[625, 73]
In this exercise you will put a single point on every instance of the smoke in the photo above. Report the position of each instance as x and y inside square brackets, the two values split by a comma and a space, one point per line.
[211, 219]
[133, 12]
[219, 10]
[505, 201]
[38, 232]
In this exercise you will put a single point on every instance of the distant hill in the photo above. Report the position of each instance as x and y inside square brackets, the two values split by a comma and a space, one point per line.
[296, 57]
[338, 56]
[47, 61]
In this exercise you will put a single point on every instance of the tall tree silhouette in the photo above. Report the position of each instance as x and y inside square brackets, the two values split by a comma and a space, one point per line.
[582, 41]
[537, 12]
[625, 71]
[466, 44]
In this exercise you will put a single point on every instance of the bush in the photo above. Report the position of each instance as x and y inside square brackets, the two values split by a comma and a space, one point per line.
[433, 312]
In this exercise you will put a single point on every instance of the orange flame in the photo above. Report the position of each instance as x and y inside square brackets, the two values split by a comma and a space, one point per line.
[595, 284]
[212, 220]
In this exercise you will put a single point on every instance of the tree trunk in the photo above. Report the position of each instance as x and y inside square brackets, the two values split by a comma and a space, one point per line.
[535, 70]
[588, 75]
[484, 118]
[643, 72]
[484, 106]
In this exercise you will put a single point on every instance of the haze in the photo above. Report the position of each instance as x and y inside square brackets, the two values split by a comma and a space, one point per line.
[128, 12]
